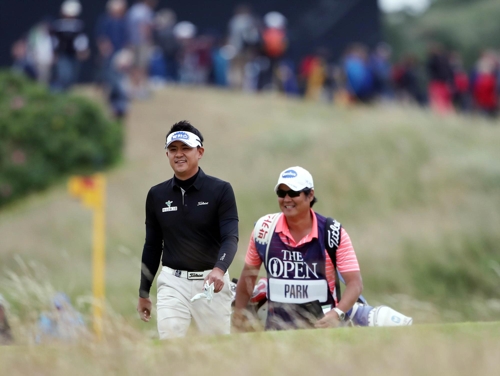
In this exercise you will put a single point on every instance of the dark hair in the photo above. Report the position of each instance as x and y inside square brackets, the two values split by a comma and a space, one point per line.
[307, 192]
[185, 126]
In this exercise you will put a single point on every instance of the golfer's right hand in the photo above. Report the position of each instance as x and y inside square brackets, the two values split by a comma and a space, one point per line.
[144, 309]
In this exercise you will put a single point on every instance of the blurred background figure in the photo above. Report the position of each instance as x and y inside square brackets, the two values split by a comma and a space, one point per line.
[185, 32]
[222, 55]
[118, 87]
[167, 43]
[274, 44]
[440, 79]
[244, 38]
[461, 86]
[359, 78]
[62, 322]
[485, 85]
[71, 45]
[6, 337]
[140, 18]
[381, 68]
[313, 73]
[111, 37]
[41, 51]
[21, 63]
[408, 82]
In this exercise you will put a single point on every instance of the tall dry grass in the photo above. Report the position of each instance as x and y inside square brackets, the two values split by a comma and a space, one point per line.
[418, 194]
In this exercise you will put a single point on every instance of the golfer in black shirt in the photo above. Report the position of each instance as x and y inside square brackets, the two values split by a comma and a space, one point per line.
[192, 220]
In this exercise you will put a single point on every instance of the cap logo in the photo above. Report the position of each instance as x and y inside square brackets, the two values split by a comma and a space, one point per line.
[180, 136]
[289, 174]
[185, 137]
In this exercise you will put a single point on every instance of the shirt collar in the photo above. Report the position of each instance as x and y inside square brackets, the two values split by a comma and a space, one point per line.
[282, 227]
[197, 184]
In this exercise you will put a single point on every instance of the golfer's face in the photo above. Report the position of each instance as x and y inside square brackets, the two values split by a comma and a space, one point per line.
[184, 159]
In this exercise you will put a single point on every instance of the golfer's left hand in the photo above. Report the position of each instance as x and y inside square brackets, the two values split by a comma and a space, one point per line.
[216, 277]
[330, 320]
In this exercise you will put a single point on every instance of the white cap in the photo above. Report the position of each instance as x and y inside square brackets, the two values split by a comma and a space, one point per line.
[275, 20]
[184, 30]
[71, 8]
[297, 178]
[190, 139]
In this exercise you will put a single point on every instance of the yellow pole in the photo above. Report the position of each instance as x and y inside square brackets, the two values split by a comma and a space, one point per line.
[99, 253]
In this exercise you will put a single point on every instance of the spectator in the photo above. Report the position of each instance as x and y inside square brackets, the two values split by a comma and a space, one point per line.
[21, 62]
[440, 80]
[244, 38]
[461, 87]
[381, 67]
[111, 35]
[71, 45]
[359, 79]
[313, 73]
[167, 42]
[221, 58]
[41, 50]
[484, 86]
[185, 33]
[273, 48]
[118, 84]
[140, 32]
[407, 82]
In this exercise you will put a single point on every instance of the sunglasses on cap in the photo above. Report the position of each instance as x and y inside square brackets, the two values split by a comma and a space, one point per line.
[291, 193]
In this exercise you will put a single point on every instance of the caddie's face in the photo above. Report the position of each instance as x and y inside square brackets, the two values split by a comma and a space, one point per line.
[295, 206]
[184, 159]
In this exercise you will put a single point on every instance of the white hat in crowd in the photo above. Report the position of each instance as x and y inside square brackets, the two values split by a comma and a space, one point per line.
[275, 20]
[297, 178]
[71, 8]
[184, 30]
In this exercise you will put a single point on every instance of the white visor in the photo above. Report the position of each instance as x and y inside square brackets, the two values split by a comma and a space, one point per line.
[190, 139]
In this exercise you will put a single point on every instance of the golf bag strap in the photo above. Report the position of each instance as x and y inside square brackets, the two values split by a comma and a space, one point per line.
[332, 243]
[264, 230]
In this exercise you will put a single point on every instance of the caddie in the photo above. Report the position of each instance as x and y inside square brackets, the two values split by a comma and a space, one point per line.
[301, 276]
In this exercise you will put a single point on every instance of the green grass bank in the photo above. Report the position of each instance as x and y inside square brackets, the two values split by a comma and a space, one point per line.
[418, 194]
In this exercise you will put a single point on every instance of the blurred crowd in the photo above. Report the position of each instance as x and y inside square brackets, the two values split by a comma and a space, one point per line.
[140, 48]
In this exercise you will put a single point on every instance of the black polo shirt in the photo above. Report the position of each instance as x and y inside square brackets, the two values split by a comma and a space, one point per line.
[195, 230]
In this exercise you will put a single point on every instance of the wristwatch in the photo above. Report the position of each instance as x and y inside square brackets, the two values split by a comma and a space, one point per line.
[340, 313]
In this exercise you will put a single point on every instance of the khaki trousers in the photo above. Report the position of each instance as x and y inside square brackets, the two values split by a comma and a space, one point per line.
[175, 309]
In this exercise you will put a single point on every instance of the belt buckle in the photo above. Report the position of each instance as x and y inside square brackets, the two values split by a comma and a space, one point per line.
[178, 273]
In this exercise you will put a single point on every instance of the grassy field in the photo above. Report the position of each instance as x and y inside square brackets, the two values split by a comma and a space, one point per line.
[447, 349]
[418, 194]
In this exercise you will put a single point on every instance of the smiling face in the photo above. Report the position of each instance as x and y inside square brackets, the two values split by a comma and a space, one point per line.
[295, 207]
[184, 159]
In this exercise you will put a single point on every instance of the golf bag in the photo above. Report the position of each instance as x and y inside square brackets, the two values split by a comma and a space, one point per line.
[361, 314]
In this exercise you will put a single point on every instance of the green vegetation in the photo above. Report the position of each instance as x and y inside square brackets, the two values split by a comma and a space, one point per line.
[45, 136]
[468, 26]
[418, 194]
